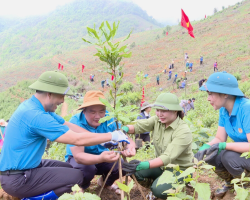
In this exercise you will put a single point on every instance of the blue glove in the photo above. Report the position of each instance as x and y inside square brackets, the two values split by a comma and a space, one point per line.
[119, 136]
[110, 145]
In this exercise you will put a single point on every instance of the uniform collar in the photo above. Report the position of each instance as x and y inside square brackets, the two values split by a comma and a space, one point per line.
[37, 102]
[236, 106]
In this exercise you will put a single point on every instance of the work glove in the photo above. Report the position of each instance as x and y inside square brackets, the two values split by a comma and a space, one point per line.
[125, 129]
[214, 150]
[119, 136]
[134, 165]
[201, 152]
[110, 145]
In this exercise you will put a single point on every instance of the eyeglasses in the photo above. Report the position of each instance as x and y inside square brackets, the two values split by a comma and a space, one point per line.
[161, 106]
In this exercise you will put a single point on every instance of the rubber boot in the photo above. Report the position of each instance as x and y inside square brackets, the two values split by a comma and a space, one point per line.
[225, 175]
[46, 196]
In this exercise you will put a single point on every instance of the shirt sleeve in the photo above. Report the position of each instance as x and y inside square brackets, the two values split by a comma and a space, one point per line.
[47, 126]
[57, 117]
[181, 141]
[246, 118]
[221, 118]
[145, 125]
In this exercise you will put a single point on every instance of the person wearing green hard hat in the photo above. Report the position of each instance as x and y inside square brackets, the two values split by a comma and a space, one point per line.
[234, 122]
[172, 142]
[24, 173]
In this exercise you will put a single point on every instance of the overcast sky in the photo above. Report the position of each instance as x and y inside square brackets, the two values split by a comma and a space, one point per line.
[161, 10]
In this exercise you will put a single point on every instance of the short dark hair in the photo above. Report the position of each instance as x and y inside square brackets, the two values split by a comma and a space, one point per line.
[193, 98]
[39, 92]
[189, 100]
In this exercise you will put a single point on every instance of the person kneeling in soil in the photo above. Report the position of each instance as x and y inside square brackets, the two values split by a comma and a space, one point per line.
[95, 160]
[234, 121]
[23, 171]
[172, 142]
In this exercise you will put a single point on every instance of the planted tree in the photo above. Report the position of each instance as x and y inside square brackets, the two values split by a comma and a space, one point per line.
[112, 52]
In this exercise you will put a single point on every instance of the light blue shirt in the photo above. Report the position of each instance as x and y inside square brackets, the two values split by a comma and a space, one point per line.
[80, 120]
[26, 135]
[237, 125]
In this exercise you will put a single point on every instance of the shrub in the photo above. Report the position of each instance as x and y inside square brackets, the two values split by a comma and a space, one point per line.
[127, 87]
[237, 76]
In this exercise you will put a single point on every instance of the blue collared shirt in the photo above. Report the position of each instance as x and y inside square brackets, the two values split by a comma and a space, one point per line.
[80, 120]
[237, 125]
[26, 136]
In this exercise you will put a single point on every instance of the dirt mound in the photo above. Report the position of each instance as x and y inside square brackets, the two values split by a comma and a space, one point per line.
[5, 196]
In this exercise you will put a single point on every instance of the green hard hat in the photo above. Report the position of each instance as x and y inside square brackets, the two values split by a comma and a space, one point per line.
[167, 101]
[52, 81]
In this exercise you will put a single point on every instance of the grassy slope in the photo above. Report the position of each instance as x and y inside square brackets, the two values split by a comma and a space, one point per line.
[223, 37]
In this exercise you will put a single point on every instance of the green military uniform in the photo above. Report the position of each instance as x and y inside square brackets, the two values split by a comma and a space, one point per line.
[173, 144]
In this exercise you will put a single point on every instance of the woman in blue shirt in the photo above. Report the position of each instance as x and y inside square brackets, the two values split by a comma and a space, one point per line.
[234, 121]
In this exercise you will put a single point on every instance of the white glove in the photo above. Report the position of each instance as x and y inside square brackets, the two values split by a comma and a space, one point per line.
[119, 136]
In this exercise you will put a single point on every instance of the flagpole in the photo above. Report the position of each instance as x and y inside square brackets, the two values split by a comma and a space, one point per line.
[184, 58]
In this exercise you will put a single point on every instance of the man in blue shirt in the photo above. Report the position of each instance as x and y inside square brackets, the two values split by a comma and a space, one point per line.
[95, 160]
[23, 172]
[201, 60]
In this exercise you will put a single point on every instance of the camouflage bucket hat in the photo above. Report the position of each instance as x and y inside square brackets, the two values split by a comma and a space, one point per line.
[167, 101]
[52, 81]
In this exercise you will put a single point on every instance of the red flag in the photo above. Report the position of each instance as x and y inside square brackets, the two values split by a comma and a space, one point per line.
[166, 33]
[62, 67]
[186, 23]
[59, 66]
[112, 78]
[83, 67]
[143, 97]
[205, 16]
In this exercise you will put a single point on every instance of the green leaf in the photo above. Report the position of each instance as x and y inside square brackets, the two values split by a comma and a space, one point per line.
[131, 184]
[87, 195]
[102, 24]
[203, 191]
[106, 103]
[203, 134]
[124, 119]
[125, 198]
[111, 94]
[166, 177]
[241, 192]
[123, 187]
[246, 179]
[122, 48]
[76, 188]
[244, 154]
[207, 167]
[86, 41]
[194, 145]
[104, 119]
[236, 180]
[126, 55]
[173, 198]
[187, 172]
[66, 196]
[93, 32]
[108, 25]
[176, 167]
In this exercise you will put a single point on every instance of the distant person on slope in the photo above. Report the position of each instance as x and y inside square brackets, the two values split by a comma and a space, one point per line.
[158, 79]
[96, 159]
[183, 84]
[23, 171]
[169, 74]
[187, 65]
[103, 83]
[175, 77]
[234, 122]
[191, 66]
[107, 82]
[201, 60]
[172, 64]
[215, 66]
[145, 110]
[202, 81]
[186, 57]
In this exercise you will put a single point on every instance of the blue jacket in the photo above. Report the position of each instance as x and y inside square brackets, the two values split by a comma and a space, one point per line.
[143, 116]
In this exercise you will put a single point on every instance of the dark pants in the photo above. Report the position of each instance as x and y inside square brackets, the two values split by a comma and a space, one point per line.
[172, 66]
[158, 82]
[144, 137]
[89, 171]
[49, 175]
[215, 68]
[201, 62]
[155, 174]
[232, 162]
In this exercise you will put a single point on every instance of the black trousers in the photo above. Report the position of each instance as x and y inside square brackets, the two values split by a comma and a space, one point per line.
[144, 137]
[49, 175]
[232, 162]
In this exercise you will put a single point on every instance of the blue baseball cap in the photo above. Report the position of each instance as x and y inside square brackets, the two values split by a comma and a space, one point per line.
[222, 82]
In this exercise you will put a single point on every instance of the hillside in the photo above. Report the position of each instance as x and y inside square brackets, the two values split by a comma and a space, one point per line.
[223, 37]
[60, 31]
